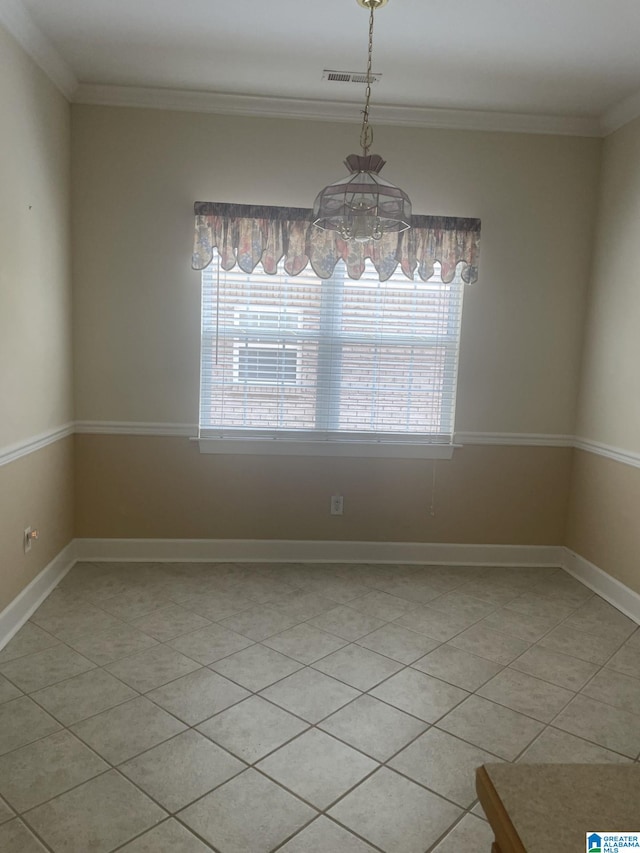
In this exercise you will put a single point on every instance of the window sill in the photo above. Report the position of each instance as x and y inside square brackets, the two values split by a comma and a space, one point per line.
[288, 447]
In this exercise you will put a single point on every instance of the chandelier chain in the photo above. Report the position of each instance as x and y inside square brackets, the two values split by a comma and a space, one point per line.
[361, 206]
[366, 134]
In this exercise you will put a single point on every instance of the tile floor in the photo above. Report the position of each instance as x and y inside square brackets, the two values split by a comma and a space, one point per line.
[245, 708]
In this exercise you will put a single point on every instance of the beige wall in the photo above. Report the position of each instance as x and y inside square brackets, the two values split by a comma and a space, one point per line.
[605, 497]
[135, 329]
[609, 409]
[35, 490]
[35, 287]
[603, 516]
[162, 487]
[35, 315]
[136, 174]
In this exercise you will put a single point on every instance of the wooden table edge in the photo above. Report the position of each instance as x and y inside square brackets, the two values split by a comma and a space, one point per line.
[507, 838]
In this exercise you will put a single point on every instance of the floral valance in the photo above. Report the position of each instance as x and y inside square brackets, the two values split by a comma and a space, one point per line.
[251, 234]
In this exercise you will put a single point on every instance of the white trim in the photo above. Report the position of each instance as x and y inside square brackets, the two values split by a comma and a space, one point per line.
[352, 449]
[204, 550]
[13, 617]
[620, 114]
[289, 550]
[627, 457]
[612, 590]
[191, 431]
[180, 430]
[23, 448]
[18, 21]
[297, 108]
[273, 550]
[136, 428]
[514, 438]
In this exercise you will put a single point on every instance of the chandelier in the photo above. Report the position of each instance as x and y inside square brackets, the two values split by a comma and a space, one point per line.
[362, 206]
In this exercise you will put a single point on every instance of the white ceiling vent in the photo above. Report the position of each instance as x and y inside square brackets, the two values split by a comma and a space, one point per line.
[349, 76]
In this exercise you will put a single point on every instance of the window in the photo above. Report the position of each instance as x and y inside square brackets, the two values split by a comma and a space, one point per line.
[340, 361]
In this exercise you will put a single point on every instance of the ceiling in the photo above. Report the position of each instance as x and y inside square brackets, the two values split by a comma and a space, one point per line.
[568, 59]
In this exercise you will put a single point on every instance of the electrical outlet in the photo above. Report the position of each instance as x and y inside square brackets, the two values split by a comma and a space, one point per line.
[337, 505]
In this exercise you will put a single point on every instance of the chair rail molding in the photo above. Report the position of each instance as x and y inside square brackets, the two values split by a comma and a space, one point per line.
[15, 451]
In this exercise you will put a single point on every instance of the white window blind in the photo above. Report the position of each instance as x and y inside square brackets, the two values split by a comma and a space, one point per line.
[297, 357]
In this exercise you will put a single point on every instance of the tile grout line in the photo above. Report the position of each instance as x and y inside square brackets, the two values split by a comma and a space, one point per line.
[403, 666]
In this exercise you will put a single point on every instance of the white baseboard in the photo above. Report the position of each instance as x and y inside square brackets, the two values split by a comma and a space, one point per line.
[614, 591]
[268, 550]
[13, 617]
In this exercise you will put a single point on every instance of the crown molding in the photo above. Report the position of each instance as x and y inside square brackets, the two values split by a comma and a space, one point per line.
[621, 114]
[295, 108]
[17, 21]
